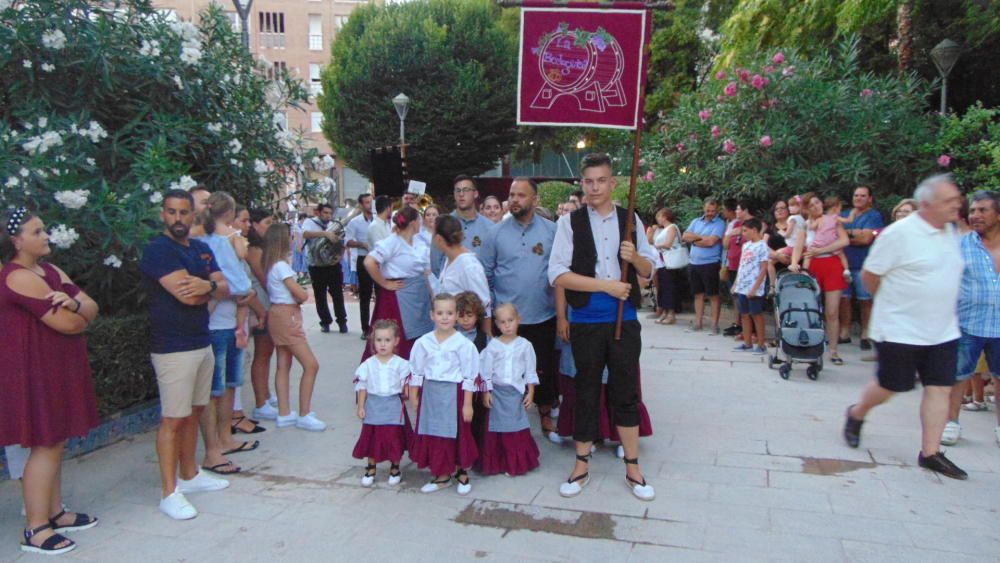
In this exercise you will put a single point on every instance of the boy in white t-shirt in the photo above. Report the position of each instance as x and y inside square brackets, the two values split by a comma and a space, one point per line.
[749, 286]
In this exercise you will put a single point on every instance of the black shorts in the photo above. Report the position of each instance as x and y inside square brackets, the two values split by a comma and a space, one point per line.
[899, 363]
[704, 278]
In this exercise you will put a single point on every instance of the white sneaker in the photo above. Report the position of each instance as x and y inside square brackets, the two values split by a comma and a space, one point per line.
[201, 483]
[285, 421]
[974, 406]
[273, 401]
[311, 423]
[621, 452]
[554, 437]
[395, 480]
[367, 480]
[178, 507]
[641, 491]
[952, 433]
[433, 487]
[569, 490]
[266, 412]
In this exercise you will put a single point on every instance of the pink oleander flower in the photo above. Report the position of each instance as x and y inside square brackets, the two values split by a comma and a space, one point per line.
[680, 147]
[944, 160]
[716, 131]
[757, 82]
[721, 75]
[769, 69]
[642, 162]
[778, 58]
[705, 115]
[693, 136]
[730, 89]
[866, 93]
[649, 177]
[744, 75]
[765, 141]
[729, 146]
[788, 70]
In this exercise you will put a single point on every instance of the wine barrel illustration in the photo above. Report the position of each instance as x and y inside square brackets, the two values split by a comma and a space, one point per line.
[590, 73]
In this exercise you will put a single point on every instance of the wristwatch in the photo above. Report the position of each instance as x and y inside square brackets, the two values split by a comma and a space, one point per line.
[214, 286]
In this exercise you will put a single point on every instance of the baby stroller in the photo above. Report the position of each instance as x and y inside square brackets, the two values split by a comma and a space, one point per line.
[799, 324]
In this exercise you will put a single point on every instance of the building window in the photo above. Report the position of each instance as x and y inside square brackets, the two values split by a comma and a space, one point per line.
[234, 21]
[315, 82]
[315, 32]
[316, 122]
[272, 29]
[276, 70]
[341, 21]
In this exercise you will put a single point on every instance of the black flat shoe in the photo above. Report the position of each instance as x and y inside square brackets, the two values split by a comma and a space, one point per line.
[940, 464]
[852, 429]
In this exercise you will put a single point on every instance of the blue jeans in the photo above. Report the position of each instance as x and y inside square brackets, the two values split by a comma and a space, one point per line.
[228, 361]
[856, 289]
[970, 348]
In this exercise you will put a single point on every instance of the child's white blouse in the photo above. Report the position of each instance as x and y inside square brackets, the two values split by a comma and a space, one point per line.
[511, 364]
[455, 360]
[382, 379]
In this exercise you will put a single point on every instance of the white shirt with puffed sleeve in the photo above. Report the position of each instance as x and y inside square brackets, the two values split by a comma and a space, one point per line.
[399, 259]
[381, 379]
[466, 273]
[455, 360]
[512, 364]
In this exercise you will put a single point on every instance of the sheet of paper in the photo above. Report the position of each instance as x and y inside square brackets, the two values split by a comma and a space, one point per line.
[417, 187]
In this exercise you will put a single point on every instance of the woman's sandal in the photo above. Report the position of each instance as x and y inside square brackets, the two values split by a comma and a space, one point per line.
[221, 468]
[244, 447]
[257, 428]
[574, 485]
[395, 475]
[48, 546]
[642, 491]
[547, 429]
[435, 486]
[369, 477]
[82, 522]
[464, 487]
[836, 360]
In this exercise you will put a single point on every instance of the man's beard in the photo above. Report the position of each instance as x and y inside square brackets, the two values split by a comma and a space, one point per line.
[179, 230]
[520, 213]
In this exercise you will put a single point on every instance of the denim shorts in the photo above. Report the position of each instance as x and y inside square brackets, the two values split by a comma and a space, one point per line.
[970, 348]
[749, 305]
[228, 361]
[856, 289]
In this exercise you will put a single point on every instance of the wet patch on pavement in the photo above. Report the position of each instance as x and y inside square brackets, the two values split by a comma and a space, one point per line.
[508, 516]
[831, 466]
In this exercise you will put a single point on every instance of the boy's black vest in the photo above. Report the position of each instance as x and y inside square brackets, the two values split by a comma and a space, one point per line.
[585, 256]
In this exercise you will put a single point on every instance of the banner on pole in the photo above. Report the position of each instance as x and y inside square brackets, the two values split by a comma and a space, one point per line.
[582, 67]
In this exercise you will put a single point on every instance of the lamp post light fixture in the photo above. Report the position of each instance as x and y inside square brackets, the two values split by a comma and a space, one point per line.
[402, 104]
[945, 54]
[243, 11]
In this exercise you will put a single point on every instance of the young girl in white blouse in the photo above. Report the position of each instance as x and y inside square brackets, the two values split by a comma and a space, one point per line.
[444, 365]
[284, 323]
[382, 382]
[509, 370]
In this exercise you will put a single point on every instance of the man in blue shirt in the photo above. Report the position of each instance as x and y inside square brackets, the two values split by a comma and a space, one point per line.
[978, 306]
[515, 256]
[180, 275]
[474, 225]
[861, 233]
[705, 237]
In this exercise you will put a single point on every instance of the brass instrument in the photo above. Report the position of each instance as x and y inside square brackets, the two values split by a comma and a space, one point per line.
[422, 204]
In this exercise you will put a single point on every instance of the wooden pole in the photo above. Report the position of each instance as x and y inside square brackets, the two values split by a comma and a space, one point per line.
[630, 221]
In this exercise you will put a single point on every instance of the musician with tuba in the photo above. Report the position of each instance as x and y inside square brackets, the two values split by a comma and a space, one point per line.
[324, 249]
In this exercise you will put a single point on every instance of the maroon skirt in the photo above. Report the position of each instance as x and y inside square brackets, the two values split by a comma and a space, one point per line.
[384, 442]
[443, 455]
[607, 428]
[387, 307]
[514, 453]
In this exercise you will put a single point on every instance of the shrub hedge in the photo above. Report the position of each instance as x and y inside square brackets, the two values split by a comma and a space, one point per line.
[118, 347]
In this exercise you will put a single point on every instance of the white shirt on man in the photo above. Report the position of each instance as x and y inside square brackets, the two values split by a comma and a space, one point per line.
[381, 379]
[313, 225]
[357, 231]
[605, 232]
[378, 230]
[921, 270]
[455, 360]
[511, 364]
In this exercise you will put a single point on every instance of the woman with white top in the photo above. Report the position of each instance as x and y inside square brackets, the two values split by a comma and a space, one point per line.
[399, 266]
[284, 323]
[427, 230]
[462, 270]
[667, 238]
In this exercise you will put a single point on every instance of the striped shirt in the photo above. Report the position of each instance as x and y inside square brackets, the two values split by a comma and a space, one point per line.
[979, 297]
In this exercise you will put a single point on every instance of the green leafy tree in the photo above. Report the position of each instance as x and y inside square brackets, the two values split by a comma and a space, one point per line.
[786, 125]
[455, 62]
[104, 106]
[969, 146]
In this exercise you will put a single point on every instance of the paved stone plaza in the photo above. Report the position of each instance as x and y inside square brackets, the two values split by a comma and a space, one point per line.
[747, 467]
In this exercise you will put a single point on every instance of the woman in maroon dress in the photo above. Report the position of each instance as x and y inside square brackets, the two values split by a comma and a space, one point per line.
[48, 395]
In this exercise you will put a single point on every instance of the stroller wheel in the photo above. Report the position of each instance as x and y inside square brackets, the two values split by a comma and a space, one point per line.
[812, 372]
[772, 361]
[784, 371]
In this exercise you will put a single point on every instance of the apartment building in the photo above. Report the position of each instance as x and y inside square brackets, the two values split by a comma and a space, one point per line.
[293, 35]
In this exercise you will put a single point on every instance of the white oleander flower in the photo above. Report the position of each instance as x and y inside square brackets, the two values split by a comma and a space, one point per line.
[48, 67]
[40, 144]
[24, 172]
[94, 132]
[214, 127]
[113, 261]
[63, 237]
[259, 166]
[72, 199]
[180, 83]
[150, 48]
[184, 183]
[190, 53]
[91, 161]
[145, 187]
[235, 163]
[262, 182]
[156, 197]
[12, 182]
[43, 122]
[235, 146]
[323, 164]
[54, 39]
[26, 63]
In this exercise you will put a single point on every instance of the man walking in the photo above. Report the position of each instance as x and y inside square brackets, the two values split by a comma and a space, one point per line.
[585, 262]
[705, 237]
[516, 259]
[326, 277]
[357, 238]
[914, 271]
[861, 233]
[978, 305]
[474, 225]
[380, 228]
[180, 275]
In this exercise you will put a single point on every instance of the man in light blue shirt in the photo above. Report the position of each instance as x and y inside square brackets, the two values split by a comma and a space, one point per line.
[515, 255]
[705, 237]
[357, 239]
[475, 225]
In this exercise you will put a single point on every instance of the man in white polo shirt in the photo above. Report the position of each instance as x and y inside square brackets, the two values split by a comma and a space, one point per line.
[914, 271]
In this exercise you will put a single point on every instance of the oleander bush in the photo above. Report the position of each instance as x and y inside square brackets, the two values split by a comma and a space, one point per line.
[118, 347]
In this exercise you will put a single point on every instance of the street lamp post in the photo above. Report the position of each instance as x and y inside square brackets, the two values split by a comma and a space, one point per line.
[243, 11]
[945, 54]
[402, 104]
